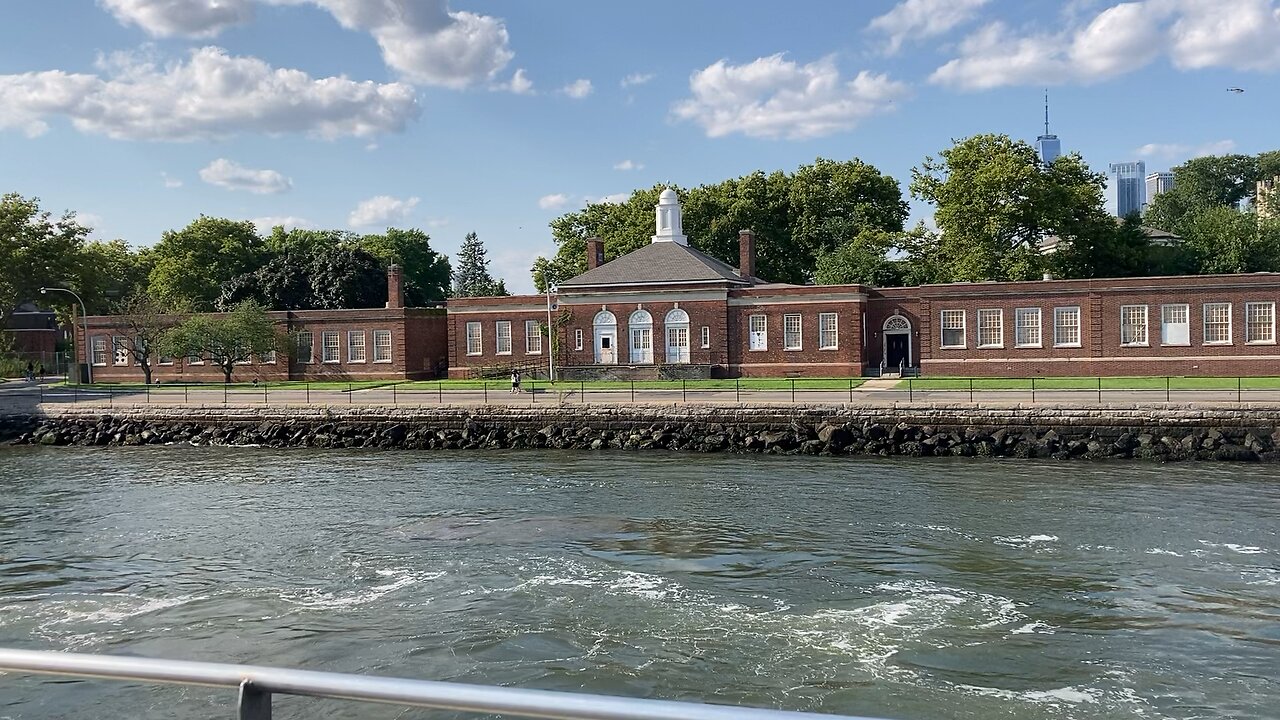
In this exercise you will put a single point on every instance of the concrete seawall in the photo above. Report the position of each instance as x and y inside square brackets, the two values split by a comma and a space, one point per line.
[1157, 432]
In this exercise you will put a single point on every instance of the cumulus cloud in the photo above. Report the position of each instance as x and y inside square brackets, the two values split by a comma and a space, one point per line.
[211, 95]
[288, 222]
[1182, 151]
[554, 201]
[636, 79]
[628, 165]
[382, 210]
[772, 97]
[922, 19]
[231, 175]
[186, 18]
[577, 89]
[520, 84]
[1122, 38]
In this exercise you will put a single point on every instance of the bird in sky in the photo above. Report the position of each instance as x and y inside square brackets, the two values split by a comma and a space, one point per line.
[1235, 89]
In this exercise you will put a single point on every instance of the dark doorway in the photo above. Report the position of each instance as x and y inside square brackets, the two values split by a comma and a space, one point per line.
[897, 350]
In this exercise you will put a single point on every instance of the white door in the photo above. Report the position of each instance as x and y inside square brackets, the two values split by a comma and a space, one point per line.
[642, 346]
[678, 345]
[606, 350]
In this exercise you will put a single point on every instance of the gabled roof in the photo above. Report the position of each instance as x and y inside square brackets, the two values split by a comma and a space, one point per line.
[660, 263]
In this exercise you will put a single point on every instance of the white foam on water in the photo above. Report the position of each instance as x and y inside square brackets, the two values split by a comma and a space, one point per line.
[1261, 576]
[317, 599]
[58, 617]
[1233, 547]
[1162, 551]
[1037, 627]
[1023, 540]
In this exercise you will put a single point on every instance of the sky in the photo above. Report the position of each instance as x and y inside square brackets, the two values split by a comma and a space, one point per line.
[497, 116]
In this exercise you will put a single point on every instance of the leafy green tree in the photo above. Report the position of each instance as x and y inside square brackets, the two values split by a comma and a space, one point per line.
[426, 272]
[195, 262]
[307, 242]
[1107, 249]
[284, 283]
[144, 320]
[471, 277]
[110, 271]
[347, 278]
[1222, 239]
[226, 339]
[862, 260]
[35, 250]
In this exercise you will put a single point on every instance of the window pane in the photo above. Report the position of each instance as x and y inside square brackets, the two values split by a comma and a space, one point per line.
[953, 323]
[305, 340]
[1028, 327]
[355, 346]
[473, 339]
[990, 328]
[329, 346]
[791, 332]
[759, 339]
[1260, 322]
[532, 337]
[503, 333]
[1217, 323]
[828, 338]
[1066, 326]
[1133, 325]
[382, 346]
[1175, 325]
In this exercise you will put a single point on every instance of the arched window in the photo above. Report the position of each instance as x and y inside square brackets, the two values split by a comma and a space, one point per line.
[677, 328]
[640, 324]
[605, 333]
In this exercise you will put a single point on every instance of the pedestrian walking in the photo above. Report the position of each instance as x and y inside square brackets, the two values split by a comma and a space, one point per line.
[41, 371]
[31, 371]
[515, 381]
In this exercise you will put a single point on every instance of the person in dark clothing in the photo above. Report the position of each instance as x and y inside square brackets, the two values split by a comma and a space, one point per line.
[515, 381]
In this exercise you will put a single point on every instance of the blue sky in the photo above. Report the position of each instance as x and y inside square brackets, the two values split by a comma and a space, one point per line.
[497, 116]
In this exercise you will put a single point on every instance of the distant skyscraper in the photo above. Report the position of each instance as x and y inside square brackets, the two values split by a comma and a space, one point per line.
[1130, 192]
[1158, 182]
[1047, 145]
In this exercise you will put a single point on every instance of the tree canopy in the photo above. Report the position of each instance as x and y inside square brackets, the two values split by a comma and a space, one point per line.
[36, 250]
[471, 276]
[226, 339]
[195, 262]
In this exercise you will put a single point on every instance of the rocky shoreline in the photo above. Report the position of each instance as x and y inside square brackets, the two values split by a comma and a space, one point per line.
[1059, 433]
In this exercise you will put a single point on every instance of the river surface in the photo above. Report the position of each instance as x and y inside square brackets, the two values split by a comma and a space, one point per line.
[902, 589]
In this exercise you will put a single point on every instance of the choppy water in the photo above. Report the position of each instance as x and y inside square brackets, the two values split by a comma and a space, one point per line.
[929, 589]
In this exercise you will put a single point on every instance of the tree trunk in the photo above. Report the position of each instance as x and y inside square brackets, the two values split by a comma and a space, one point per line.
[146, 372]
[226, 373]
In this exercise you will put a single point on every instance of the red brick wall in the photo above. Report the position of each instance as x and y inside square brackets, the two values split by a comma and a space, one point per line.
[810, 360]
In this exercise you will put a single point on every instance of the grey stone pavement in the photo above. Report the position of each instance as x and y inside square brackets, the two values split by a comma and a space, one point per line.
[20, 395]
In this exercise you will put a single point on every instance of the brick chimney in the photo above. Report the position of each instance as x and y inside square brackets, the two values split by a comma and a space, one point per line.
[595, 253]
[395, 286]
[746, 253]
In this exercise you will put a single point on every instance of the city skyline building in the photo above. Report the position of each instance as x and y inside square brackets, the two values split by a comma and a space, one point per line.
[1048, 147]
[1130, 187]
[1158, 182]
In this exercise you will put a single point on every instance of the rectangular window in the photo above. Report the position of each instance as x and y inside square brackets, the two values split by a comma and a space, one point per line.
[474, 346]
[502, 331]
[706, 336]
[828, 331]
[532, 337]
[1217, 323]
[953, 325]
[759, 332]
[120, 356]
[99, 350]
[1027, 332]
[1133, 325]
[195, 359]
[355, 346]
[1175, 324]
[1066, 327]
[991, 328]
[329, 346]
[304, 342]
[382, 346]
[165, 360]
[268, 357]
[241, 353]
[577, 339]
[1260, 323]
[791, 338]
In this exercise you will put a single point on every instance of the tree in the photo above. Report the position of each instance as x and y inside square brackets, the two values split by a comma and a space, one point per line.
[195, 262]
[226, 339]
[347, 278]
[144, 320]
[1107, 249]
[863, 260]
[1222, 239]
[35, 251]
[471, 278]
[284, 283]
[426, 272]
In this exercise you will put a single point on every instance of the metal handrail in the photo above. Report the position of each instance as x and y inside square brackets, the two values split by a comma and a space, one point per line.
[257, 684]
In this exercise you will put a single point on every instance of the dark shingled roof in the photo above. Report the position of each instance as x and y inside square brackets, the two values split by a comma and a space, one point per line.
[657, 263]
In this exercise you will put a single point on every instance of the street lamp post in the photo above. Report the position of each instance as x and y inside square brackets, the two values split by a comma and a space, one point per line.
[551, 363]
[84, 319]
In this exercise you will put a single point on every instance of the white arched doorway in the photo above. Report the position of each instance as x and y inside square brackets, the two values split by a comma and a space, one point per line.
[895, 342]
[640, 325]
[605, 332]
[677, 330]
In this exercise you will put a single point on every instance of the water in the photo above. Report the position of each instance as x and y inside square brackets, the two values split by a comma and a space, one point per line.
[903, 589]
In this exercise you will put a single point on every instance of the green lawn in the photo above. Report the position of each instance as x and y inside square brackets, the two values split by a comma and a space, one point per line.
[425, 385]
[1088, 383]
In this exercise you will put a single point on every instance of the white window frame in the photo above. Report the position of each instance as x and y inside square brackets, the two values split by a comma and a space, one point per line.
[356, 351]
[1249, 324]
[758, 333]
[998, 340]
[378, 346]
[310, 344]
[195, 360]
[790, 334]
[248, 360]
[828, 331]
[1127, 314]
[475, 338]
[119, 351]
[99, 350]
[1071, 311]
[1166, 324]
[267, 358]
[325, 347]
[532, 338]
[963, 328]
[706, 337]
[502, 337]
[1019, 316]
[1205, 313]
[577, 339]
[164, 360]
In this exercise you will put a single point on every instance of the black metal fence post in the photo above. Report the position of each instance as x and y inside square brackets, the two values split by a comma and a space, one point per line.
[633, 391]
[1239, 387]
[582, 390]
[533, 391]
[148, 393]
[684, 393]
[440, 392]
[186, 388]
[911, 390]
[1033, 391]
[485, 384]
[224, 393]
[349, 393]
[970, 389]
[793, 391]
[737, 390]
[393, 394]
[1166, 389]
[75, 394]
[1099, 391]
[851, 390]
[308, 386]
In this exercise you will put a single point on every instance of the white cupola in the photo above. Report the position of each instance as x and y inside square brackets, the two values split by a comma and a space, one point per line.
[667, 219]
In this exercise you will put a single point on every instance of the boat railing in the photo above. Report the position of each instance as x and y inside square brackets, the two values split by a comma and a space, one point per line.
[257, 684]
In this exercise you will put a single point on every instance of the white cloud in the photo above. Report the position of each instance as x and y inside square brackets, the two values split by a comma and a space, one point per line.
[772, 97]
[614, 199]
[289, 222]
[187, 18]
[922, 19]
[577, 89]
[628, 165]
[231, 175]
[554, 201]
[1181, 151]
[211, 95]
[520, 84]
[1122, 38]
[636, 79]
[382, 210]
[170, 182]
